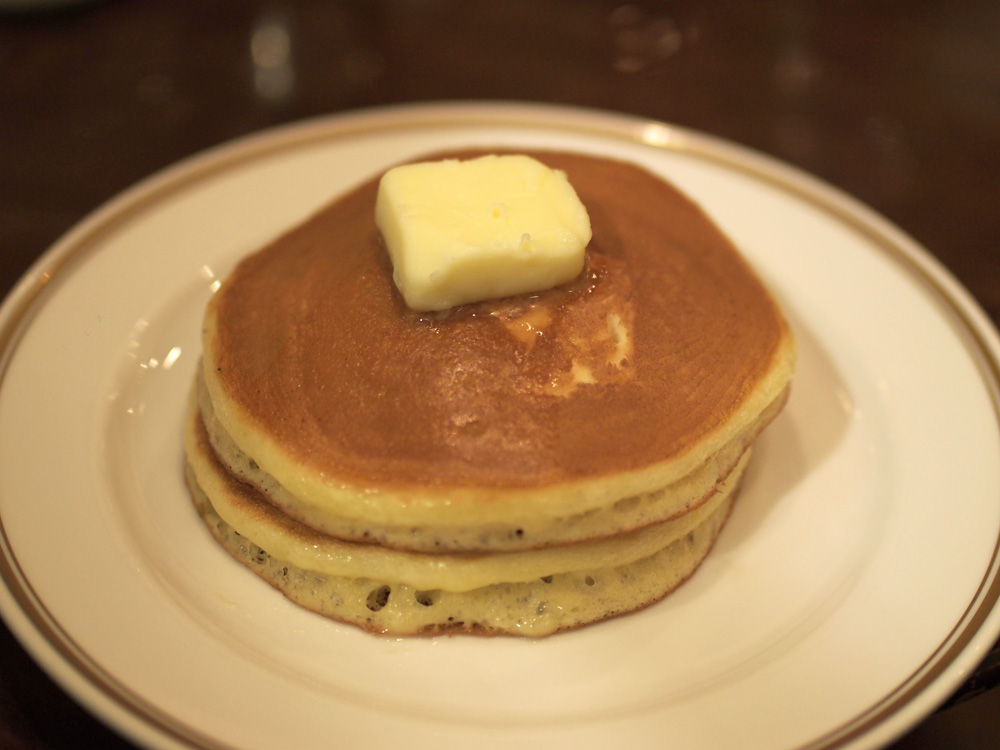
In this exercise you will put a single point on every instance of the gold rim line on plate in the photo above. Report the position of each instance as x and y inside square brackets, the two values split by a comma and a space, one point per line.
[30, 294]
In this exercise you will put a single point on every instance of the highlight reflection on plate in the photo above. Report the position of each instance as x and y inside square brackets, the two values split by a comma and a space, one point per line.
[848, 594]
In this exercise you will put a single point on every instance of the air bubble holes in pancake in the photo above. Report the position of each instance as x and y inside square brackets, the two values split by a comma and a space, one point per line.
[248, 549]
[378, 598]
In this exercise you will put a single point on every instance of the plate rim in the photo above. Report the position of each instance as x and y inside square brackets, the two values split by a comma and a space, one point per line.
[116, 705]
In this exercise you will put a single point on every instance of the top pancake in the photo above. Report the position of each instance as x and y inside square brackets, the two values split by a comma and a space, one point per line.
[664, 348]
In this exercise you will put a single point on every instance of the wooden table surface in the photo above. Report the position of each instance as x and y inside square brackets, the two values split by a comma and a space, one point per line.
[896, 102]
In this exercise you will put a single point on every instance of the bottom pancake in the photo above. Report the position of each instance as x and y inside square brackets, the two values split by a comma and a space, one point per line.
[535, 608]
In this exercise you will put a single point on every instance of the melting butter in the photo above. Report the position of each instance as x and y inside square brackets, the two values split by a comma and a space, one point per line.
[486, 228]
[528, 326]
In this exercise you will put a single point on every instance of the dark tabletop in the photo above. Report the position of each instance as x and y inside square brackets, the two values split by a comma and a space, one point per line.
[896, 102]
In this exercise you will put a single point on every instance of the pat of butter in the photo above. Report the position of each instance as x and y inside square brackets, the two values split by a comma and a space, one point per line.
[490, 227]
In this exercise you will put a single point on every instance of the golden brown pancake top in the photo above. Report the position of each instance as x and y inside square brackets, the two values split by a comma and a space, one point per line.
[315, 343]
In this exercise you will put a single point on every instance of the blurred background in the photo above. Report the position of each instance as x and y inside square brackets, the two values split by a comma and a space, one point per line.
[896, 102]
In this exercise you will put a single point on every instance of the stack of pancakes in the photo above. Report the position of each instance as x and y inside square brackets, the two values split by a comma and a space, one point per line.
[522, 466]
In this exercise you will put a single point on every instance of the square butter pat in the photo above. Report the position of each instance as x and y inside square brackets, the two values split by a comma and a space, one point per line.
[491, 227]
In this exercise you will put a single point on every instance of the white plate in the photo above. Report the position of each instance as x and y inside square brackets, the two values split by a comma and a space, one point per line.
[854, 588]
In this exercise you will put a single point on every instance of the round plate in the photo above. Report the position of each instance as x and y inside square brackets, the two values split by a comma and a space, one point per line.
[853, 589]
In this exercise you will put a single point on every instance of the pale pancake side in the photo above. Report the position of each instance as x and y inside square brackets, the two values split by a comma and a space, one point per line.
[244, 509]
[531, 531]
[535, 608]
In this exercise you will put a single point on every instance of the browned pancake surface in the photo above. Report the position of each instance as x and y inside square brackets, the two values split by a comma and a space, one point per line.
[314, 342]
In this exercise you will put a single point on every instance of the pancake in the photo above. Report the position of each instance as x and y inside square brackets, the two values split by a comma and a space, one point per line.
[597, 431]
[426, 594]
[544, 606]
[626, 514]
[252, 516]
[319, 372]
